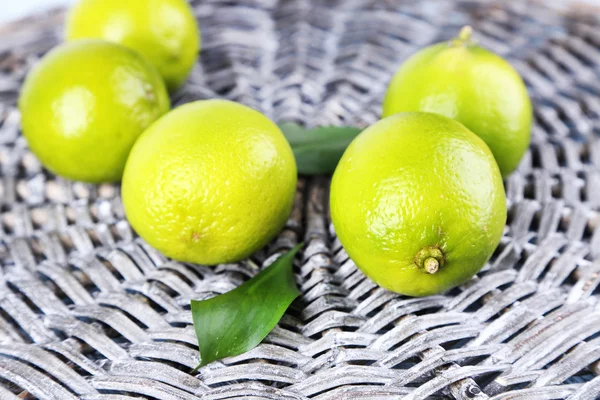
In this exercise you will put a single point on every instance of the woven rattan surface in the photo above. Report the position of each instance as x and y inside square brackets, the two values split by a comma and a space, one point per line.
[88, 310]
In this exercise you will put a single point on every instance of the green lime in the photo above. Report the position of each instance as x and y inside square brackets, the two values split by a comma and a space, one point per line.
[418, 203]
[84, 105]
[211, 182]
[472, 85]
[163, 31]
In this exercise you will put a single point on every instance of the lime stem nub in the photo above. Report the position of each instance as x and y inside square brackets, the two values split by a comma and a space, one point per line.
[430, 259]
[431, 265]
[465, 33]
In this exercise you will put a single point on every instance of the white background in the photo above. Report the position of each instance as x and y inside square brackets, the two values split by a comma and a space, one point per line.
[15, 9]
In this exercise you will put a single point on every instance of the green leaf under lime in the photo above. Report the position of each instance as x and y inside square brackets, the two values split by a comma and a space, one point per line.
[318, 150]
[237, 321]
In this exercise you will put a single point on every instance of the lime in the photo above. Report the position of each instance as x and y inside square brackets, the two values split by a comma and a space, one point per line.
[472, 85]
[417, 201]
[211, 182]
[84, 105]
[163, 31]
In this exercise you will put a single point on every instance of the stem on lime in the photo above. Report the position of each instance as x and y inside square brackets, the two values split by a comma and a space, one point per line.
[430, 259]
[465, 33]
[464, 37]
[431, 265]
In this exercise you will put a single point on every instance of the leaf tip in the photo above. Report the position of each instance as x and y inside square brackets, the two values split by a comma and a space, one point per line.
[200, 365]
[296, 248]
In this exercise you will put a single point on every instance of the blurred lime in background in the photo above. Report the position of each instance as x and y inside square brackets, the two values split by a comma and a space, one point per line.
[466, 82]
[163, 31]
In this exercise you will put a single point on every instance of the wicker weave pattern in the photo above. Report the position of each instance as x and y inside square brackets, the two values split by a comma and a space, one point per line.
[88, 310]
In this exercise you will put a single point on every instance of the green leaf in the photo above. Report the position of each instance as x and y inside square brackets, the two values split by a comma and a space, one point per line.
[294, 133]
[235, 322]
[318, 150]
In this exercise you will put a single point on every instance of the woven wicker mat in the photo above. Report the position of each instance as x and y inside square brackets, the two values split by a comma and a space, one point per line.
[88, 310]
